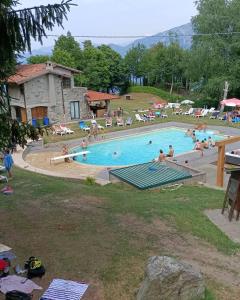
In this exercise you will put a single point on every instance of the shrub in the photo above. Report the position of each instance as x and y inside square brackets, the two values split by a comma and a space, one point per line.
[90, 180]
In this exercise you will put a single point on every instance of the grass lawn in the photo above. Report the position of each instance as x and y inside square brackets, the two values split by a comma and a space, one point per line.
[104, 235]
[140, 101]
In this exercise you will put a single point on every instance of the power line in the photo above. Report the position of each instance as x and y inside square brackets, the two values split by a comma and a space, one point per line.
[147, 36]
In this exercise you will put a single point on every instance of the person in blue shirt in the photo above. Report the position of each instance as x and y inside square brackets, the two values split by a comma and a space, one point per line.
[8, 162]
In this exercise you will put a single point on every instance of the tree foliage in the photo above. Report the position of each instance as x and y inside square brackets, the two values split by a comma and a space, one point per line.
[18, 27]
[38, 59]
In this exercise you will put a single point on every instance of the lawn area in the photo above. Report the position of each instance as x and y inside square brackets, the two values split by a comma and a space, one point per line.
[141, 101]
[104, 235]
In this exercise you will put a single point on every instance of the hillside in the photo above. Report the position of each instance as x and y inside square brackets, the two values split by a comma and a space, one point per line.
[175, 34]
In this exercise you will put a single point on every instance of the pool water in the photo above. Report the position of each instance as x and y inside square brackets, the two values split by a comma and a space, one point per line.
[136, 149]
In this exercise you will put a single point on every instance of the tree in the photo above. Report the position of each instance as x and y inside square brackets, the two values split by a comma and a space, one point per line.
[134, 60]
[70, 49]
[18, 27]
[38, 59]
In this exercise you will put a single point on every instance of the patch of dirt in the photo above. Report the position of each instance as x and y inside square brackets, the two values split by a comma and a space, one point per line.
[217, 267]
[85, 203]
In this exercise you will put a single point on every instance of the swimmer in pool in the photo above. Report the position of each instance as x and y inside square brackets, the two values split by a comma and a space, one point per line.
[150, 143]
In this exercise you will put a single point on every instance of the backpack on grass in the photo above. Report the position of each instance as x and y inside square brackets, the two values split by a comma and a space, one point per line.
[34, 267]
[16, 295]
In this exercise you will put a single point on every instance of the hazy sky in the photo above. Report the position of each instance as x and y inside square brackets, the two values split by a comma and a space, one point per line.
[120, 17]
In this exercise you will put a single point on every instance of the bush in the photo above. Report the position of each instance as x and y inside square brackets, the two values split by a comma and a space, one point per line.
[90, 180]
[155, 91]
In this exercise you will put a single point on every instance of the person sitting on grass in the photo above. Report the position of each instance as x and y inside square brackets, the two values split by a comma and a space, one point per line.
[170, 151]
[8, 162]
[198, 146]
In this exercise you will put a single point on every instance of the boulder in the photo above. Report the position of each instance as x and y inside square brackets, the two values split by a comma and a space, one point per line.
[168, 279]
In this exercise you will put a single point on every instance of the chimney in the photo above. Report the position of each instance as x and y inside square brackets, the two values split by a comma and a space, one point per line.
[49, 65]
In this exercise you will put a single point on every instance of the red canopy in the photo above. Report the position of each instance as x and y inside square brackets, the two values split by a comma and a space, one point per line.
[231, 102]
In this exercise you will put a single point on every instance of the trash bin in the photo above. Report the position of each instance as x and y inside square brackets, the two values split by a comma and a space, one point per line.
[34, 122]
[45, 121]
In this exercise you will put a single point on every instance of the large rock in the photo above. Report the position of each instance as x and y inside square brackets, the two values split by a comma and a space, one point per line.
[168, 279]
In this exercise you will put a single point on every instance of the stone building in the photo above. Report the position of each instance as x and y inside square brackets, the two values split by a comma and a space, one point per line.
[47, 90]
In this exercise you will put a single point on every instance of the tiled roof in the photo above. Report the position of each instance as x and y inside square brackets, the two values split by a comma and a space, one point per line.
[26, 72]
[97, 96]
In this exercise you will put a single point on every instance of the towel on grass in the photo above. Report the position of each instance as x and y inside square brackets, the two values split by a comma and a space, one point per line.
[17, 283]
[60, 289]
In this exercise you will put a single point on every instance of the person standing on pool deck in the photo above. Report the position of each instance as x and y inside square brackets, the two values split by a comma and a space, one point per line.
[8, 162]
[170, 151]
[198, 146]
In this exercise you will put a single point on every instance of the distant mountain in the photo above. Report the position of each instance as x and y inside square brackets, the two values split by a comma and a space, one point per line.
[40, 51]
[182, 34]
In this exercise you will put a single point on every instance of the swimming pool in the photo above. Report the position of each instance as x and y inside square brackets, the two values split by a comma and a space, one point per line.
[135, 149]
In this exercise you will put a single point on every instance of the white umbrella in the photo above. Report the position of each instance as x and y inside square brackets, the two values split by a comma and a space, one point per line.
[187, 102]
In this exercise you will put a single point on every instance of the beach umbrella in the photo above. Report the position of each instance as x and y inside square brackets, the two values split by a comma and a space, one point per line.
[187, 102]
[231, 102]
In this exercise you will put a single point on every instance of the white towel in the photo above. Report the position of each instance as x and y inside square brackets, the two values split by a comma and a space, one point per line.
[60, 289]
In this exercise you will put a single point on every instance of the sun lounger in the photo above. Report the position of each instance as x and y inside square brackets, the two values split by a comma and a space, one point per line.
[120, 122]
[139, 118]
[189, 112]
[66, 129]
[108, 122]
[83, 126]
[94, 123]
[68, 156]
[215, 114]
[128, 121]
[57, 130]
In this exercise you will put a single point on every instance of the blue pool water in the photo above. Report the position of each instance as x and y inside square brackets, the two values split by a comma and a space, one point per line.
[135, 149]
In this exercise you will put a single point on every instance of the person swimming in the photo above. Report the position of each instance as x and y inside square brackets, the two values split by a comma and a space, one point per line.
[194, 138]
[188, 132]
[150, 143]
[114, 153]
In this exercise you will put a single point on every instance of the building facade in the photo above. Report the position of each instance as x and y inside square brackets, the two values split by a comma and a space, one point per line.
[41, 91]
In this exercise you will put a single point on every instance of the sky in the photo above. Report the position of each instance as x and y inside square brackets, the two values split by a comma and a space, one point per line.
[119, 17]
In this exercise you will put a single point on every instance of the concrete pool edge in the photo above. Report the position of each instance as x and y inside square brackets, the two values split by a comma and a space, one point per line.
[50, 148]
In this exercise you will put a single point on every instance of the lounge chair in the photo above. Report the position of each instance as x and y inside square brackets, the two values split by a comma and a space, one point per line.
[120, 121]
[94, 122]
[83, 126]
[164, 115]
[66, 129]
[108, 122]
[149, 117]
[129, 121]
[56, 129]
[189, 112]
[139, 118]
[215, 114]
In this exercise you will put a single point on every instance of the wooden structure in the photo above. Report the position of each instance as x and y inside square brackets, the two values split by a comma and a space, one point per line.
[221, 157]
[232, 197]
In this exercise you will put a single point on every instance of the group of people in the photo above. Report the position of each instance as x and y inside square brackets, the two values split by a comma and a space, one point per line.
[200, 145]
[65, 151]
[162, 157]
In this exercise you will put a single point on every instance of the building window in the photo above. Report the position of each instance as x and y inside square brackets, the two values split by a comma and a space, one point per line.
[66, 83]
[75, 111]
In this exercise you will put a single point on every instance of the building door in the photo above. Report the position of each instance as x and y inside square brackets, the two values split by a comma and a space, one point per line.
[75, 110]
[21, 114]
[39, 112]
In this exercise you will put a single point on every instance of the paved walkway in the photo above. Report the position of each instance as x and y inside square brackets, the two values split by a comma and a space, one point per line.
[37, 157]
[231, 229]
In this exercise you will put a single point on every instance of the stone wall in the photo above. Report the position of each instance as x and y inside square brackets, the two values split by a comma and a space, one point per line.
[47, 91]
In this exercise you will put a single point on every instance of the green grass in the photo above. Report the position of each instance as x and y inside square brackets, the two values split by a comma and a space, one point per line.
[155, 91]
[82, 232]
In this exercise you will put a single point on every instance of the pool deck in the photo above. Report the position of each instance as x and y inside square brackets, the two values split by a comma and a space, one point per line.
[36, 158]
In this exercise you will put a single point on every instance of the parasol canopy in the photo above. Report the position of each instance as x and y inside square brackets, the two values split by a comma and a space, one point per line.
[187, 102]
[230, 102]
